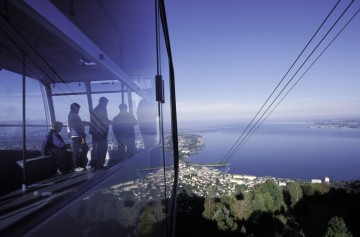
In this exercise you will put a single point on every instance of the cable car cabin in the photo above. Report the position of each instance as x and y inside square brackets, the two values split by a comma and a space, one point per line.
[57, 54]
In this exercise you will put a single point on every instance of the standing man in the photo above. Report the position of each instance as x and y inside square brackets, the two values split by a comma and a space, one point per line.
[146, 115]
[124, 132]
[77, 135]
[99, 129]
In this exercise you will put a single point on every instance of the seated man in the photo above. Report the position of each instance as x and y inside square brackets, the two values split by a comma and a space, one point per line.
[54, 144]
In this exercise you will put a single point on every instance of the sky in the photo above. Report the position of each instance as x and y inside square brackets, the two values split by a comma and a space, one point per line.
[230, 55]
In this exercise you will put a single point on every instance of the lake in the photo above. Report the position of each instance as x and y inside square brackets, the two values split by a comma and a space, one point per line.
[285, 150]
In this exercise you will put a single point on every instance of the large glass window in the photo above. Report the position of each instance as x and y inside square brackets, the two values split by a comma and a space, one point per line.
[62, 107]
[11, 97]
[11, 119]
[132, 195]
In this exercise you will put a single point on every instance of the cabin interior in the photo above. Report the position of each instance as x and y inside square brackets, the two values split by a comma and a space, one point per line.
[55, 53]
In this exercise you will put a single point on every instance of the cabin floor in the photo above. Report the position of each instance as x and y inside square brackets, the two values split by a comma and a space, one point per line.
[19, 203]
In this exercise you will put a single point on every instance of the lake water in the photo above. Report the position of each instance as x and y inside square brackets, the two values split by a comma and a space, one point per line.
[288, 150]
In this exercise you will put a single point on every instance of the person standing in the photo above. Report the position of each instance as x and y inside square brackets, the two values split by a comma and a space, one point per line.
[146, 115]
[99, 129]
[77, 135]
[124, 132]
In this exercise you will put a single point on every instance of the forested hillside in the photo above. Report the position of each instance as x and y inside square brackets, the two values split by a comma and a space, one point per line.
[298, 209]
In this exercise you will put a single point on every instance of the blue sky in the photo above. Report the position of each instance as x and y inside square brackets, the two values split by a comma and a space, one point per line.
[229, 56]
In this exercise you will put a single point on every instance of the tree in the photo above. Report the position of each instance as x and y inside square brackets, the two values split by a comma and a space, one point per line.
[321, 188]
[209, 208]
[275, 192]
[240, 191]
[224, 220]
[234, 206]
[158, 211]
[244, 209]
[147, 221]
[315, 188]
[243, 230]
[267, 197]
[337, 228]
[269, 203]
[295, 192]
[307, 189]
[258, 202]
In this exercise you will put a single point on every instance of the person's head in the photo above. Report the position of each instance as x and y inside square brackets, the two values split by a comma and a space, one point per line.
[103, 100]
[123, 107]
[75, 107]
[58, 126]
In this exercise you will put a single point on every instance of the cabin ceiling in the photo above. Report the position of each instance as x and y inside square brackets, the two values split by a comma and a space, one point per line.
[79, 40]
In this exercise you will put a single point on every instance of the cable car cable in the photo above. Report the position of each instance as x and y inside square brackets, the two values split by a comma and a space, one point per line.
[303, 74]
[236, 145]
[321, 25]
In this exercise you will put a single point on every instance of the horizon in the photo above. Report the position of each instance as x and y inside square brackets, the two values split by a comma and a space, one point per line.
[212, 121]
[229, 57]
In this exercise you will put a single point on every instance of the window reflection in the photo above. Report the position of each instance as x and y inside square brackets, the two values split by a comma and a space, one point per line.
[131, 197]
[11, 119]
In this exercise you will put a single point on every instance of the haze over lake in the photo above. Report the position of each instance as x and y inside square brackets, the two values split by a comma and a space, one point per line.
[285, 150]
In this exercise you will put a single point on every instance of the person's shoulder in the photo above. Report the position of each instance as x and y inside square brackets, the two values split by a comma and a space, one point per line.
[128, 115]
[116, 117]
[97, 108]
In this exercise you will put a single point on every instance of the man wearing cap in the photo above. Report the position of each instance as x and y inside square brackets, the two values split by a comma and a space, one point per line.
[99, 129]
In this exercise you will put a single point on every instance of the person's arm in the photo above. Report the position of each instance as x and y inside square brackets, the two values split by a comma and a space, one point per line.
[115, 126]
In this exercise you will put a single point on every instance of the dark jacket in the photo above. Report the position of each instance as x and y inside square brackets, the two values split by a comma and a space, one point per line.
[52, 140]
[99, 122]
[123, 125]
[76, 125]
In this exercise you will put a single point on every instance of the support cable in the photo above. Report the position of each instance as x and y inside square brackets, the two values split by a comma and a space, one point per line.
[302, 76]
[321, 25]
[238, 142]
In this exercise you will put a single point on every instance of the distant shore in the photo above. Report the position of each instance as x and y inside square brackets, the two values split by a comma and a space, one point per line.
[335, 124]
